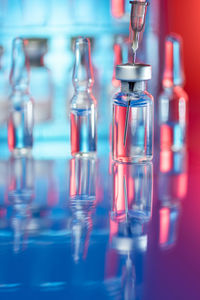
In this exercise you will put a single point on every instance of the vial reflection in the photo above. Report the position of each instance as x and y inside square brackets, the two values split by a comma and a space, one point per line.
[132, 191]
[172, 189]
[125, 259]
[82, 203]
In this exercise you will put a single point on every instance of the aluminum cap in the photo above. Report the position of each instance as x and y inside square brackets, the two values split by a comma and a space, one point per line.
[133, 72]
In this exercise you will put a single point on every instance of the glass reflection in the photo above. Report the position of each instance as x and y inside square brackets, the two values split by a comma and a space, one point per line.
[172, 189]
[20, 197]
[129, 230]
[16, 221]
[82, 203]
[132, 191]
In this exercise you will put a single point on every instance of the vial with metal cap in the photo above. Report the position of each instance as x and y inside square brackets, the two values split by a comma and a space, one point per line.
[132, 136]
[172, 103]
[83, 112]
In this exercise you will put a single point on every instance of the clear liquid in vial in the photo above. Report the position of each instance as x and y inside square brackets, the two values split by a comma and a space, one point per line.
[138, 146]
[20, 126]
[83, 132]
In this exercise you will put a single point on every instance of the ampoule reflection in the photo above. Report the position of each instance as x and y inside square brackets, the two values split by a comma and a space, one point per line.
[172, 190]
[82, 203]
[20, 121]
[20, 196]
[132, 191]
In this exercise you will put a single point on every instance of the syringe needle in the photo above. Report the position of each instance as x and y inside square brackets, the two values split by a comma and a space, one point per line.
[134, 57]
[126, 198]
[126, 122]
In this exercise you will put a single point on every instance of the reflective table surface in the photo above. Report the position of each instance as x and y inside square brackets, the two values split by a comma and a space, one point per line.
[93, 229]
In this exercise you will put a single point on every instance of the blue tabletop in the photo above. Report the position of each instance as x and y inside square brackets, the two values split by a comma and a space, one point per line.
[94, 229]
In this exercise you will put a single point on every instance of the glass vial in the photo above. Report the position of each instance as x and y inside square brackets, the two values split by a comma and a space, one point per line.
[132, 129]
[172, 104]
[20, 121]
[42, 93]
[83, 113]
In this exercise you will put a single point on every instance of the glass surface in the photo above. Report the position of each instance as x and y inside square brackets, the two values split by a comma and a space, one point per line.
[65, 243]
[139, 137]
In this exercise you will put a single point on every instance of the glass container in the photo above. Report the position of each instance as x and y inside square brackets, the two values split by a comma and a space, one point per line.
[83, 113]
[20, 120]
[132, 130]
[172, 104]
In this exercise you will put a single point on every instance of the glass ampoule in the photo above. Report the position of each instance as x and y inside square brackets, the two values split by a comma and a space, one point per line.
[83, 113]
[172, 104]
[132, 130]
[20, 120]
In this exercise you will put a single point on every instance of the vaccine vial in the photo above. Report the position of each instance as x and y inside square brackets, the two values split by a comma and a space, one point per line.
[83, 112]
[20, 120]
[41, 83]
[172, 104]
[132, 128]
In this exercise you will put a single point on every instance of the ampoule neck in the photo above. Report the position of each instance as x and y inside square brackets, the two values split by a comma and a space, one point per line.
[172, 88]
[83, 90]
[173, 71]
[82, 71]
[19, 75]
